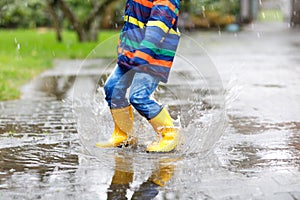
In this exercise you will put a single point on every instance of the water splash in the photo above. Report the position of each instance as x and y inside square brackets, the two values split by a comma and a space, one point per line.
[194, 95]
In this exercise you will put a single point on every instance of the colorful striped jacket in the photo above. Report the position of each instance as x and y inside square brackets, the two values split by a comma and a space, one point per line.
[149, 37]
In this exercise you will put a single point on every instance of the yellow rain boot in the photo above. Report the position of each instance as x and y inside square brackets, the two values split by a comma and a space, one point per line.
[163, 125]
[123, 131]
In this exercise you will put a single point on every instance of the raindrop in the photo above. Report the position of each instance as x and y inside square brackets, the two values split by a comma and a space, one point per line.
[18, 47]
[258, 35]
[170, 196]
[63, 120]
[220, 32]
[55, 168]
[12, 170]
[4, 7]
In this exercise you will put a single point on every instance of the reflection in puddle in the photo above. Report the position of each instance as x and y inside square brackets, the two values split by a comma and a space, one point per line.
[56, 86]
[149, 189]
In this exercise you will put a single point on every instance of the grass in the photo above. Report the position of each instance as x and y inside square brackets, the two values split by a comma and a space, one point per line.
[26, 53]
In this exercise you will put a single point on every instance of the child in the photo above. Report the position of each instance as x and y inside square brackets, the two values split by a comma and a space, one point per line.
[146, 50]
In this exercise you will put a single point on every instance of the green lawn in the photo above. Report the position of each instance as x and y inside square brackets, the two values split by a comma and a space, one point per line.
[26, 53]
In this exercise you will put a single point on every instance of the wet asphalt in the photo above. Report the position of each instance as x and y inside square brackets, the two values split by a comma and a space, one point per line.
[257, 157]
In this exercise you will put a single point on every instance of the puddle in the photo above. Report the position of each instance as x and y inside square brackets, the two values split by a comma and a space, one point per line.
[40, 141]
[42, 156]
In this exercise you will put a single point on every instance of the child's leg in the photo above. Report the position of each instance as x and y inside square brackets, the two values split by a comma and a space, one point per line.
[116, 87]
[115, 91]
[143, 85]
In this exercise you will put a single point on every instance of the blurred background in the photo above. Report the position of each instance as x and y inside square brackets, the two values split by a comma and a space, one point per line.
[86, 18]
[33, 32]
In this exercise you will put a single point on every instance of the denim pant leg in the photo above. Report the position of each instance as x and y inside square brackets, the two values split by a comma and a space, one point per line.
[143, 86]
[116, 87]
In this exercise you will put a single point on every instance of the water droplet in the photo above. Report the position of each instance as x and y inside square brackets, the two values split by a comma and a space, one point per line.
[12, 170]
[4, 7]
[258, 35]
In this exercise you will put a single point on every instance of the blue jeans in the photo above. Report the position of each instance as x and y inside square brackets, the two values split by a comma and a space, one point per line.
[142, 85]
